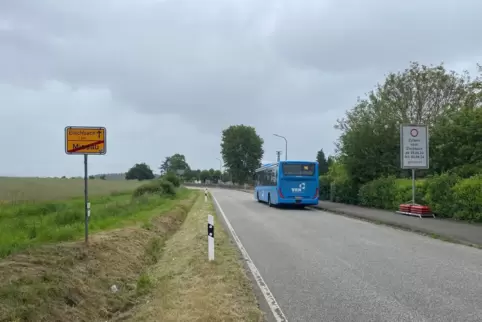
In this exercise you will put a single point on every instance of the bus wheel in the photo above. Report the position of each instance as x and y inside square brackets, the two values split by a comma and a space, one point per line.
[269, 201]
[257, 196]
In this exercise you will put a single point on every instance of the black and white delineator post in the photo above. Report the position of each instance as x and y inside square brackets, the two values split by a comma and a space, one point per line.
[205, 194]
[210, 237]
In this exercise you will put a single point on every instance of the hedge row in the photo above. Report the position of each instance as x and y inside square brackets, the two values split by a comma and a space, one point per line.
[448, 195]
[166, 185]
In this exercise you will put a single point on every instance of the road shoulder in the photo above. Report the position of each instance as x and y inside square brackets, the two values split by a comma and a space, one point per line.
[187, 287]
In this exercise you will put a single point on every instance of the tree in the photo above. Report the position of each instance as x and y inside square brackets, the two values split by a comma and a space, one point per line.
[226, 176]
[322, 162]
[204, 176]
[474, 99]
[195, 174]
[456, 141]
[369, 143]
[242, 151]
[217, 175]
[174, 163]
[140, 171]
[330, 161]
[165, 165]
[178, 162]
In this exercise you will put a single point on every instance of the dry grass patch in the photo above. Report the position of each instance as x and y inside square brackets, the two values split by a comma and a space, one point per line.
[189, 288]
[69, 282]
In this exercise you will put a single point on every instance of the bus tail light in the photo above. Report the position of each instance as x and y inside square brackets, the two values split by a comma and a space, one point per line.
[317, 193]
[280, 193]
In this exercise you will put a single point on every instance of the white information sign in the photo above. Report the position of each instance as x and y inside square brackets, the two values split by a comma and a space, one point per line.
[414, 146]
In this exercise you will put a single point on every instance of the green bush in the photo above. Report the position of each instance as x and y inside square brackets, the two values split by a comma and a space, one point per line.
[380, 193]
[440, 195]
[403, 192]
[467, 170]
[324, 187]
[153, 187]
[344, 191]
[160, 187]
[467, 195]
[389, 193]
[171, 177]
[167, 187]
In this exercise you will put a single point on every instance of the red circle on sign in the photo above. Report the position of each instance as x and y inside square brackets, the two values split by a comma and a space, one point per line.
[414, 132]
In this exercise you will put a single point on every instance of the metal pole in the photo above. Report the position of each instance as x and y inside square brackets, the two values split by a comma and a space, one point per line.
[86, 199]
[286, 149]
[286, 145]
[413, 186]
[220, 170]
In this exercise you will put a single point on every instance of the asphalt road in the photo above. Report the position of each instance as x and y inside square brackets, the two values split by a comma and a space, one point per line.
[324, 267]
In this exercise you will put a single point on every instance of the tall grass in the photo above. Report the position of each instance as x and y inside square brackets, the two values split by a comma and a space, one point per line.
[25, 225]
[31, 190]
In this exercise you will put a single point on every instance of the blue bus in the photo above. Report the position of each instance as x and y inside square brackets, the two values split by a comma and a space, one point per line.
[287, 183]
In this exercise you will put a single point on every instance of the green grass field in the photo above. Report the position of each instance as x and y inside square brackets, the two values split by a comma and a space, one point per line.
[52, 210]
[20, 190]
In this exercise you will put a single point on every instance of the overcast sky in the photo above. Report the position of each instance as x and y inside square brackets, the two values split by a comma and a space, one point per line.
[167, 76]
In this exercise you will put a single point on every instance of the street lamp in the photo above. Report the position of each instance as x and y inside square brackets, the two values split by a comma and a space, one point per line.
[286, 145]
[220, 170]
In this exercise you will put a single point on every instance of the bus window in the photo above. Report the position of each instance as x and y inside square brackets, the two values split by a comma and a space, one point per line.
[298, 169]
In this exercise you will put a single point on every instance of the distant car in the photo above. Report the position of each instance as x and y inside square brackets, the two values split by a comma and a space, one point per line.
[287, 183]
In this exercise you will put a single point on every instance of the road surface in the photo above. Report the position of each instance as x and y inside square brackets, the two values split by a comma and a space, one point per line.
[326, 267]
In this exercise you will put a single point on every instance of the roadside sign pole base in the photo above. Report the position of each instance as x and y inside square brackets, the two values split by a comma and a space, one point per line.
[210, 238]
[86, 198]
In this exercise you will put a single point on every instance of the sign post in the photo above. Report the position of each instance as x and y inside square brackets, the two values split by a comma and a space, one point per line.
[414, 149]
[85, 140]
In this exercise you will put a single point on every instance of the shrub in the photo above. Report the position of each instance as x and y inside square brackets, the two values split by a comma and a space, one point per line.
[160, 187]
[379, 193]
[389, 192]
[467, 195]
[403, 191]
[167, 187]
[342, 189]
[467, 170]
[171, 177]
[148, 188]
[440, 195]
[324, 187]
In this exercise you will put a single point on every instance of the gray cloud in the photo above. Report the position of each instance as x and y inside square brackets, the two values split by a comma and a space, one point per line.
[165, 66]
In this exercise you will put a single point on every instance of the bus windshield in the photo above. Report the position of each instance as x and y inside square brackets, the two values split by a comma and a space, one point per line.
[291, 169]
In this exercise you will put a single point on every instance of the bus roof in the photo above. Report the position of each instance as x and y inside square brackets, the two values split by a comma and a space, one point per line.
[270, 165]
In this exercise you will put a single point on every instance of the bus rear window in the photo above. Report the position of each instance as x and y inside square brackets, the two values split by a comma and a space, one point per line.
[298, 169]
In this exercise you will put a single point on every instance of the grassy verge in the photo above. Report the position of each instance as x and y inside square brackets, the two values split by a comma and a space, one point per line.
[27, 225]
[186, 287]
[70, 282]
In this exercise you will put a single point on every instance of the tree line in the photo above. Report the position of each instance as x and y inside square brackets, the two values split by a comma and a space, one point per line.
[366, 168]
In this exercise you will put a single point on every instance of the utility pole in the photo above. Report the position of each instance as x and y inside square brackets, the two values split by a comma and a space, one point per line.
[278, 154]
